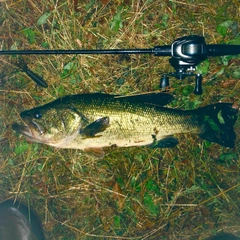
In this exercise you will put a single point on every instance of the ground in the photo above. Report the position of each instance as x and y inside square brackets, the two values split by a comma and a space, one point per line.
[187, 192]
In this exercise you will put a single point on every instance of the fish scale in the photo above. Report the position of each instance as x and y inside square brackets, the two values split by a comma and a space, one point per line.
[91, 122]
[130, 120]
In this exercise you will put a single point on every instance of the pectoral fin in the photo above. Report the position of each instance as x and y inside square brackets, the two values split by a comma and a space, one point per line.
[167, 142]
[95, 127]
[97, 152]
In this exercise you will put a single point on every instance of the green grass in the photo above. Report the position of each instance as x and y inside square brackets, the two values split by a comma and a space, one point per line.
[188, 192]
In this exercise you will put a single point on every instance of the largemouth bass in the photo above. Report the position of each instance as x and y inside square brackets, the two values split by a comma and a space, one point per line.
[94, 121]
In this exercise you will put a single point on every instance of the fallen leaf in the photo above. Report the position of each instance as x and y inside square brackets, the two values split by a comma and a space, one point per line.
[117, 195]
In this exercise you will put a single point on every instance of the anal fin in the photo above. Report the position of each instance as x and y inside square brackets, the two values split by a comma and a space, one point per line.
[167, 142]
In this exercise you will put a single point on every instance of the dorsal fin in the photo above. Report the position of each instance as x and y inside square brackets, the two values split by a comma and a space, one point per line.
[154, 98]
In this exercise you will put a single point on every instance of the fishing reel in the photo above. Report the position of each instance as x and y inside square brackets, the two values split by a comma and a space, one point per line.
[187, 53]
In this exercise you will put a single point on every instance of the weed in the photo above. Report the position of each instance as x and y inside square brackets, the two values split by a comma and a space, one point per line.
[188, 192]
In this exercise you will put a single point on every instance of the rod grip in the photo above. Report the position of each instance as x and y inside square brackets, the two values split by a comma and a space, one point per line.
[221, 50]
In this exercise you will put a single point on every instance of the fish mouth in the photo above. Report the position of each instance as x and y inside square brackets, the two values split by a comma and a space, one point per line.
[24, 130]
[28, 131]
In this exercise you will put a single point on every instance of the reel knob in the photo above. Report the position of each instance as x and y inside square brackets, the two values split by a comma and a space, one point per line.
[198, 84]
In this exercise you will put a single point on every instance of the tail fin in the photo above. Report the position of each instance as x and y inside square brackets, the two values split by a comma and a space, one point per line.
[217, 123]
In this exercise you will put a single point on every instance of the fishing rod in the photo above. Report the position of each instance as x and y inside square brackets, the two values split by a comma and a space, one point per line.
[186, 53]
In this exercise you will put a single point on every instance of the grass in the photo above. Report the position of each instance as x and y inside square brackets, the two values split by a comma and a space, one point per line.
[188, 192]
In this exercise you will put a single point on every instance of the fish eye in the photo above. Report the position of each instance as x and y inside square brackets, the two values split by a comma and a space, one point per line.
[37, 115]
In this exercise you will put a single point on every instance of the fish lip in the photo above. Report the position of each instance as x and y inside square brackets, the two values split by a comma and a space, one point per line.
[31, 130]
[23, 129]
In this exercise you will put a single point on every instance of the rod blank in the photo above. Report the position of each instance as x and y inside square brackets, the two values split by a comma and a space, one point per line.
[47, 52]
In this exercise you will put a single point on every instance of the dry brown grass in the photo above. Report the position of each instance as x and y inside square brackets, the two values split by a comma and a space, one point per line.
[189, 192]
